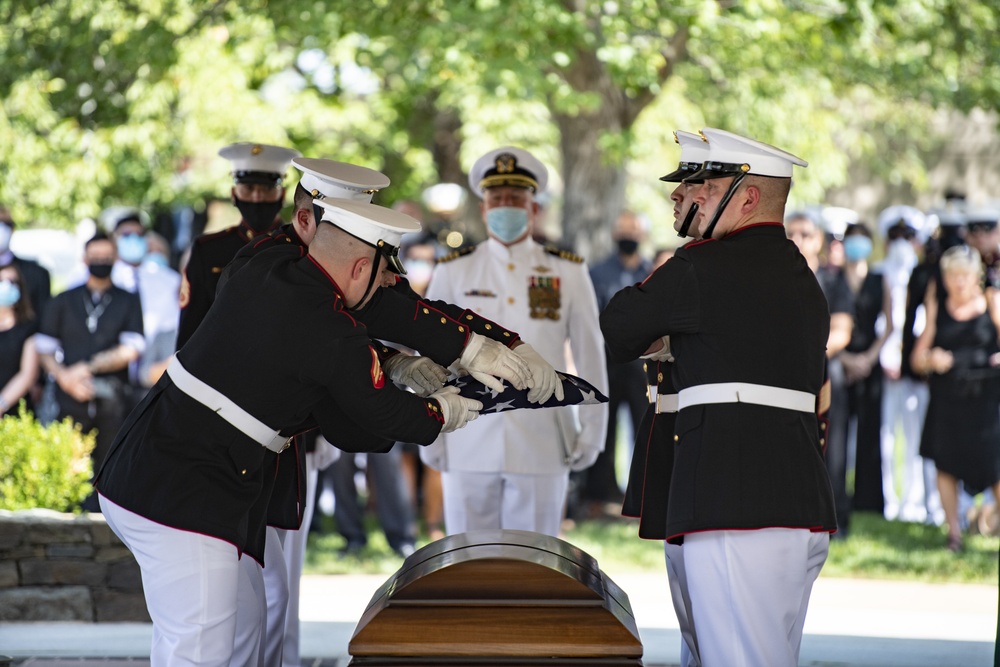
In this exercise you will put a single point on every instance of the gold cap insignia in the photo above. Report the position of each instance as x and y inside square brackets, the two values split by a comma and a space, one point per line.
[506, 163]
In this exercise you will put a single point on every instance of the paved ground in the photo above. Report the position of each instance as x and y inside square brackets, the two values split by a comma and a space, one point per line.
[851, 623]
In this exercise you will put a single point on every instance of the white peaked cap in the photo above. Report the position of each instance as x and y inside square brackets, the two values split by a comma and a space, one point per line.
[508, 165]
[984, 214]
[760, 159]
[369, 222]
[837, 218]
[247, 156]
[325, 179]
[694, 151]
[694, 148]
[910, 216]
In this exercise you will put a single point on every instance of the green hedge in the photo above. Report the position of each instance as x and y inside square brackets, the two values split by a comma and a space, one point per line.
[43, 466]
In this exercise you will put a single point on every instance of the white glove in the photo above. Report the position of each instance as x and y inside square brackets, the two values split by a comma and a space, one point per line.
[456, 409]
[420, 374]
[663, 354]
[544, 379]
[583, 457]
[487, 360]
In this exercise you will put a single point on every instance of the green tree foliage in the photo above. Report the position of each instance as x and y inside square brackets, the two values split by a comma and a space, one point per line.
[43, 466]
[101, 100]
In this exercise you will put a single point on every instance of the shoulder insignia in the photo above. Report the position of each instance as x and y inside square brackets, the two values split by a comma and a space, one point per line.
[564, 254]
[461, 252]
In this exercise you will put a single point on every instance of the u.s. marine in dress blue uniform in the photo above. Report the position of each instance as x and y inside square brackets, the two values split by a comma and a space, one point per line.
[653, 454]
[183, 469]
[259, 195]
[748, 326]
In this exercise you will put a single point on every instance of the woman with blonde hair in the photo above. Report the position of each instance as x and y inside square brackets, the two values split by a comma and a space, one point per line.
[958, 350]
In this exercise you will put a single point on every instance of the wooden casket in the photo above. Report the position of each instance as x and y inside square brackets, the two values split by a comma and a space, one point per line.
[498, 597]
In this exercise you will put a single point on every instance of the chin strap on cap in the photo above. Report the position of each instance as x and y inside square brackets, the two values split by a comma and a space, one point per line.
[723, 203]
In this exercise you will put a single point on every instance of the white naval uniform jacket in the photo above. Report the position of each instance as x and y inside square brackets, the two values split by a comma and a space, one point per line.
[496, 281]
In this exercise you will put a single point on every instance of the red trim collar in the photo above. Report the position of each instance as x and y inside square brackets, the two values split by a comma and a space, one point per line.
[735, 232]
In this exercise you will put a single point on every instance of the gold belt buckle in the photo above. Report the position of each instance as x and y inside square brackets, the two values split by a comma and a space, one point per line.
[285, 446]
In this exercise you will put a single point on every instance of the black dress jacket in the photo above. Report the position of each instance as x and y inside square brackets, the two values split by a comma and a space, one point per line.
[280, 344]
[743, 308]
[210, 253]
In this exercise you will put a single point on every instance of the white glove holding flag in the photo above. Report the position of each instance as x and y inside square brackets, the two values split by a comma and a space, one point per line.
[456, 410]
[662, 354]
[420, 374]
[544, 379]
[487, 360]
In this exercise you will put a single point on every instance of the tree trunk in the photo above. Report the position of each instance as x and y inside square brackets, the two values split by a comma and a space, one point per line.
[594, 183]
[594, 191]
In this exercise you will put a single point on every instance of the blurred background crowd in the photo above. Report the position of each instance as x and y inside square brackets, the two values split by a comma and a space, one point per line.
[908, 387]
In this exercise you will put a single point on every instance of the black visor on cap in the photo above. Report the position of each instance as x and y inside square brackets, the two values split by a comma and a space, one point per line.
[391, 254]
[980, 225]
[710, 170]
[257, 177]
[683, 172]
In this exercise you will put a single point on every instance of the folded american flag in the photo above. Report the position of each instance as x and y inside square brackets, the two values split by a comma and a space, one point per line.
[576, 391]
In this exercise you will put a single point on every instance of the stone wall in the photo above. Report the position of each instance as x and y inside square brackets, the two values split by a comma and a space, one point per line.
[66, 567]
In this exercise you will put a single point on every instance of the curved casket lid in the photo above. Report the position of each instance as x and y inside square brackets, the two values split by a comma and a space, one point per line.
[510, 590]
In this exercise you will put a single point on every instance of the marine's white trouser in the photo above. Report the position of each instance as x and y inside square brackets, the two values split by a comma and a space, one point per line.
[485, 500]
[677, 578]
[293, 543]
[191, 583]
[749, 592]
[275, 599]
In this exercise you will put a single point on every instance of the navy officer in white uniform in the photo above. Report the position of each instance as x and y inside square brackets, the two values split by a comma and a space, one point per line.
[747, 322]
[513, 472]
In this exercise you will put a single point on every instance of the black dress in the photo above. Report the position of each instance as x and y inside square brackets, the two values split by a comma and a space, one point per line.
[962, 431]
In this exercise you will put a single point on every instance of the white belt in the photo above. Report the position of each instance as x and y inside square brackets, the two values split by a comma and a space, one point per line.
[663, 402]
[745, 392]
[218, 403]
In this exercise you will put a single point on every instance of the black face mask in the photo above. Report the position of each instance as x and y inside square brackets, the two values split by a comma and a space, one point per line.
[100, 270]
[628, 246]
[259, 216]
